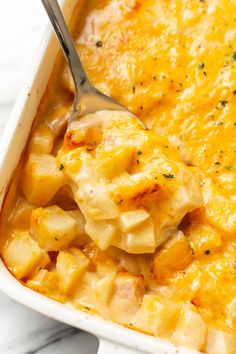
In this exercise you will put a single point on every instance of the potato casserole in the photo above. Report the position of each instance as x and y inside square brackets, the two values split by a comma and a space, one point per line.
[137, 226]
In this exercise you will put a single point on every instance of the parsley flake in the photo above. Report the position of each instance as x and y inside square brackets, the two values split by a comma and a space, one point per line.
[229, 168]
[233, 56]
[169, 175]
[61, 167]
[201, 66]
[223, 103]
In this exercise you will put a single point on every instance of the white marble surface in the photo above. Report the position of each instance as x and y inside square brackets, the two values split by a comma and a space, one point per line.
[23, 331]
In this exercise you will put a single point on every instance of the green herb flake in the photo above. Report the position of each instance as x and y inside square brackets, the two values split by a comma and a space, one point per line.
[233, 56]
[207, 252]
[201, 66]
[229, 168]
[61, 167]
[139, 152]
[133, 89]
[223, 103]
[168, 176]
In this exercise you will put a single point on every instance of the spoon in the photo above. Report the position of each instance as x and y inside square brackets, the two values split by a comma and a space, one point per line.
[87, 98]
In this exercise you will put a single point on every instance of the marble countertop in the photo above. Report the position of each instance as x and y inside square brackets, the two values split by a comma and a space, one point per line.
[23, 331]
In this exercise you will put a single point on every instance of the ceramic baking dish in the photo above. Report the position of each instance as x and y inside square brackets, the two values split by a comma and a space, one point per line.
[112, 337]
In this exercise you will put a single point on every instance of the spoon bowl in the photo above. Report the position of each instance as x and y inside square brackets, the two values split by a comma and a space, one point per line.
[87, 98]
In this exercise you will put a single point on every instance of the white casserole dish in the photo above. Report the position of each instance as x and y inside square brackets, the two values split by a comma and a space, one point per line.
[113, 338]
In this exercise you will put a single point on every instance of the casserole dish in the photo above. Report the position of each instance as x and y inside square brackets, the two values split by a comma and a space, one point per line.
[113, 338]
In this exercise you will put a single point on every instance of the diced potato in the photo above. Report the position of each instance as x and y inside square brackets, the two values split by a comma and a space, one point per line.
[115, 161]
[203, 238]
[42, 140]
[47, 283]
[96, 288]
[41, 179]
[20, 216]
[175, 255]
[191, 330]
[52, 228]
[188, 282]
[137, 186]
[220, 210]
[101, 232]
[219, 342]
[133, 218]
[70, 266]
[81, 237]
[57, 120]
[23, 256]
[127, 297]
[129, 286]
[96, 203]
[70, 161]
[64, 198]
[157, 315]
[141, 239]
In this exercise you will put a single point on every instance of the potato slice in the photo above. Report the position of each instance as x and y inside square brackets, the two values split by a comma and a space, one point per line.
[127, 297]
[220, 342]
[52, 228]
[70, 267]
[42, 140]
[96, 288]
[132, 218]
[23, 256]
[115, 161]
[142, 239]
[47, 283]
[157, 316]
[203, 238]
[191, 330]
[81, 236]
[20, 216]
[220, 210]
[175, 255]
[101, 232]
[41, 179]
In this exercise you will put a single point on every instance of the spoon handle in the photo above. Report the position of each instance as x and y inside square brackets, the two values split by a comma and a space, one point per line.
[58, 22]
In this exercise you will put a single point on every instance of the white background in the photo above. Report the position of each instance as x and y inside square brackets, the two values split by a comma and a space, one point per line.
[23, 331]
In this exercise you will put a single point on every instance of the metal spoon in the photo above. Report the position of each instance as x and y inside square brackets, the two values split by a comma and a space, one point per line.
[87, 98]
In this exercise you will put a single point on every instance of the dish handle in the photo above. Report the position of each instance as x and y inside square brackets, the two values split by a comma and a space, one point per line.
[107, 347]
